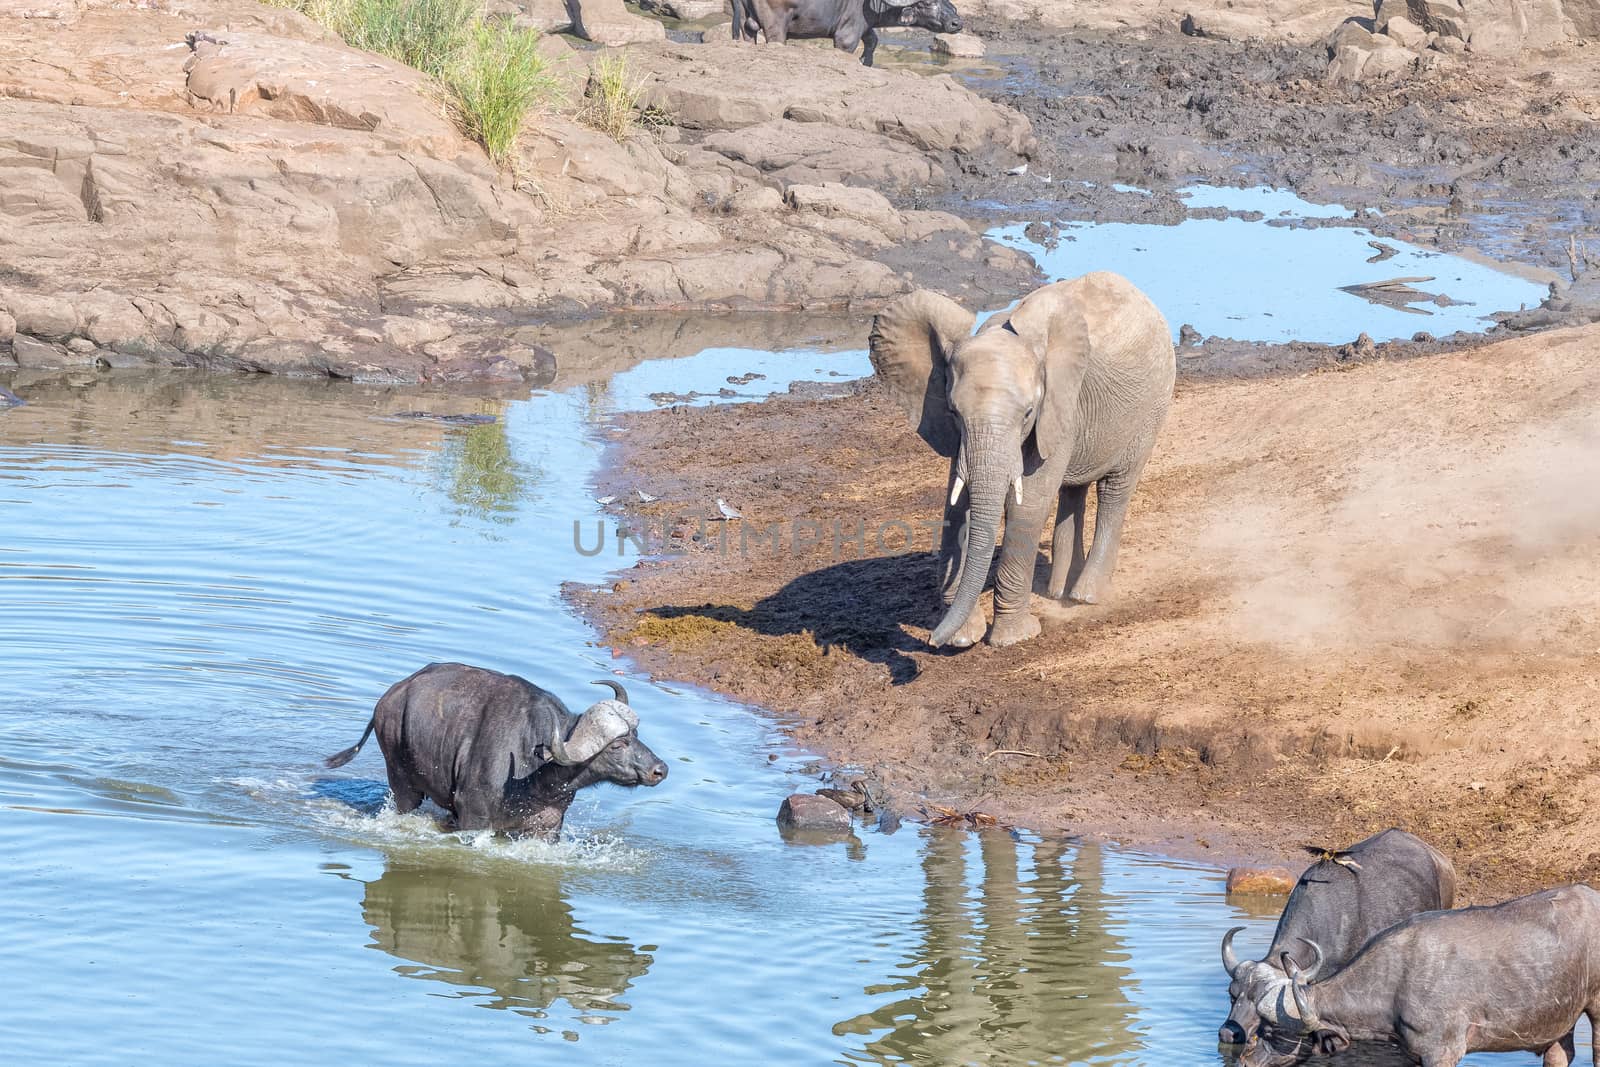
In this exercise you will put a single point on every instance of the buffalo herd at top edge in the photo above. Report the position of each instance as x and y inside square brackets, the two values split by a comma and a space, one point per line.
[1066, 390]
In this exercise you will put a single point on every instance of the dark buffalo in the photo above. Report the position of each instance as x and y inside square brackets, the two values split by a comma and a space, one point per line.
[497, 751]
[1340, 902]
[1513, 977]
[848, 22]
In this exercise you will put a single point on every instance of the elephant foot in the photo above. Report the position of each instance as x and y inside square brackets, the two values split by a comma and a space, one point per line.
[1013, 629]
[1089, 590]
[971, 631]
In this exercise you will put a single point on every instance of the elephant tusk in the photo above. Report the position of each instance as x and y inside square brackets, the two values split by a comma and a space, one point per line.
[1017, 485]
[955, 490]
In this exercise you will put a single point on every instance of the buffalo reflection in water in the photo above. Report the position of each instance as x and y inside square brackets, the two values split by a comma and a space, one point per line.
[507, 933]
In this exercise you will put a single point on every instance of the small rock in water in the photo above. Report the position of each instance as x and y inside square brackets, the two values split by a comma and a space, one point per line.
[804, 811]
[961, 45]
[845, 798]
[1260, 881]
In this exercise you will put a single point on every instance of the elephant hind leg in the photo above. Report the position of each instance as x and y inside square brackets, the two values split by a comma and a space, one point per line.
[1066, 549]
[1111, 498]
[1562, 1053]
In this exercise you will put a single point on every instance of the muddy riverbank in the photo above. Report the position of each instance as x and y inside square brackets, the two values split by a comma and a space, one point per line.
[1346, 600]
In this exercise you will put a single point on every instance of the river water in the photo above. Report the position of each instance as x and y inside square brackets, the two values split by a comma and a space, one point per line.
[206, 582]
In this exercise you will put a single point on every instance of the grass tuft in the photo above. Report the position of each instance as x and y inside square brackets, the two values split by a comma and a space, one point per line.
[491, 74]
[498, 80]
[612, 98]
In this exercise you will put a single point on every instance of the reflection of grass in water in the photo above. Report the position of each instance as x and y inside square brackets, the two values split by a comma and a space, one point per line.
[486, 481]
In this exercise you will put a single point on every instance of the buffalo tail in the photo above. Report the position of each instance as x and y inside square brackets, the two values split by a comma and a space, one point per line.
[339, 759]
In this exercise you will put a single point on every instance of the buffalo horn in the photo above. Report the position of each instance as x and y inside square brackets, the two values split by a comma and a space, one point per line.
[1230, 958]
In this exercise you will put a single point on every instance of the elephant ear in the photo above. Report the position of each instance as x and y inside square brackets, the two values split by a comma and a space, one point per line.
[911, 341]
[1052, 322]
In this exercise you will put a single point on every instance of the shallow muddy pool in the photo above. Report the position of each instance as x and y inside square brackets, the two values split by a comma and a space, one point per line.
[205, 583]
[1263, 274]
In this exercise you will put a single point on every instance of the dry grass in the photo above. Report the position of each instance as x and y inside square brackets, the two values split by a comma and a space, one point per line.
[611, 101]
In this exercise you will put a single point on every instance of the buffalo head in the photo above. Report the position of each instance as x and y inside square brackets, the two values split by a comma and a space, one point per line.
[605, 744]
[940, 16]
[1291, 1031]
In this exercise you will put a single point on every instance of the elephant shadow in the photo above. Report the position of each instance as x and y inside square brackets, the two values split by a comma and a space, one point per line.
[861, 606]
[508, 938]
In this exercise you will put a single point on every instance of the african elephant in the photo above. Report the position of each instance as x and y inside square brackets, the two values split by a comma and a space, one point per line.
[1068, 388]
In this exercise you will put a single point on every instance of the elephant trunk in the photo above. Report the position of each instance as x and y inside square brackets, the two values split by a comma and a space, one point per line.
[992, 480]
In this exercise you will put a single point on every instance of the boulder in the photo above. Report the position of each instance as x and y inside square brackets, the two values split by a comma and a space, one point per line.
[33, 354]
[1260, 881]
[835, 201]
[546, 16]
[960, 45]
[304, 81]
[1444, 17]
[1386, 10]
[1386, 61]
[1406, 34]
[1351, 34]
[607, 22]
[804, 811]
[1347, 65]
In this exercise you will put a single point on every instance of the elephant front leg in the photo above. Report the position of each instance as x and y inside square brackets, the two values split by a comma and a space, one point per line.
[1066, 548]
[1013, 582]
[952, 558]
[1112, 495]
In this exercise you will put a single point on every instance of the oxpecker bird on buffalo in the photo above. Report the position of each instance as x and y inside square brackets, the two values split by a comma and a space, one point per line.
[497, 751]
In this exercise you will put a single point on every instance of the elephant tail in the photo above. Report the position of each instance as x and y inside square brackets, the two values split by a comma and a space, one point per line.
[339, 759]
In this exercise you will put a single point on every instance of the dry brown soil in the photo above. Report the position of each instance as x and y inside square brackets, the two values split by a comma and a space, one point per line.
[1360, 597]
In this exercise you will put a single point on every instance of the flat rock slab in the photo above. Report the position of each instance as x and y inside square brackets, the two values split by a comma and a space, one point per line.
[811, 153]
[1260, 881]
[724, 86]
[805, 811]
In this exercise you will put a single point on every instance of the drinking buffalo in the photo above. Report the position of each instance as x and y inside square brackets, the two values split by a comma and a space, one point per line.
[848, 22]
[499, 752]
[1340, 902]
[1512, 977]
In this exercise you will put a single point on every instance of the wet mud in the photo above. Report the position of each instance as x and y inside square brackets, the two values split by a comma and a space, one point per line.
[1336, 604]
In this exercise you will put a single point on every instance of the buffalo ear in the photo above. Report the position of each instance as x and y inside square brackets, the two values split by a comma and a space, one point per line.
[911, 342]
[1331, 1042]
[1051, 320]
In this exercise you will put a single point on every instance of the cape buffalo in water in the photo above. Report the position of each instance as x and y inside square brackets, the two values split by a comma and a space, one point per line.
[497, 751]
[848, 22]
[1340, 902]
[1513, 977]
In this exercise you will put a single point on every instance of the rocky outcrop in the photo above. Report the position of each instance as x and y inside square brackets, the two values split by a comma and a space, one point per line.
[729, 87]
[231, 187]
